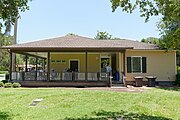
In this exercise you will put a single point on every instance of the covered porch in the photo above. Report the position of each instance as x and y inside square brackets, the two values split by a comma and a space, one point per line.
[86, 61]
[90, 69]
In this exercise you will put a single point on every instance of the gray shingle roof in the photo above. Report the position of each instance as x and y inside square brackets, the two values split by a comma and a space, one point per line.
[74, 41]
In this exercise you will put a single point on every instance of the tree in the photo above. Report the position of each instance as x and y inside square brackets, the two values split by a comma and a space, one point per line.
[9, 11]
[69, 34]
[4, 55]
[151, 40]
[169, 24]
[103, 35]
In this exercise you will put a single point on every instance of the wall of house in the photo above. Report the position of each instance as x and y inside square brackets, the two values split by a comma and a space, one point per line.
[159, 63]
[93, 62]
[60, 61]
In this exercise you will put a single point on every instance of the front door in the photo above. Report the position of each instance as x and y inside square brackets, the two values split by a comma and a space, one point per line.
[74, 65]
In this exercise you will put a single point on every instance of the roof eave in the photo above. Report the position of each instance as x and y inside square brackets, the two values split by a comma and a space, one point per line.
[67, 49]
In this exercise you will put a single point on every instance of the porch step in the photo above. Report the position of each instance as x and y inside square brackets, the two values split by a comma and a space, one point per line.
[117, 85]
[117, 82]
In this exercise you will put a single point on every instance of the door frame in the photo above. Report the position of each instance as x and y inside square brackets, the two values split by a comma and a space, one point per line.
[77, 61]
[104, 56]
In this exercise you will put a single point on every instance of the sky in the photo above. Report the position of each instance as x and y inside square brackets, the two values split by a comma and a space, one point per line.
[55, 18]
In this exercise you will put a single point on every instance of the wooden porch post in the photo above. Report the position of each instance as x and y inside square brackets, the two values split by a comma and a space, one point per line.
[124, 68]
[86, 67]
[36, 68]
[26, 62]
[44, 64]
[48, 67]
[10, 67]
[124, 61]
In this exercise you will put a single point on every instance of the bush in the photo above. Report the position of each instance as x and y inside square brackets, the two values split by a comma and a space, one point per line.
[4, 72]
[8, 85]
[16, 85]
[4, 81]
[178, 69]
[178, 79]
[1, 84]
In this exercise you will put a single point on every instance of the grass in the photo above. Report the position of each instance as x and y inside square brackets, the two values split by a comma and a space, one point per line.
[76, 104]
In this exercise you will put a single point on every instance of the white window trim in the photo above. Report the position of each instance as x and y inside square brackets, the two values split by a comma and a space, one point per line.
[132, 63]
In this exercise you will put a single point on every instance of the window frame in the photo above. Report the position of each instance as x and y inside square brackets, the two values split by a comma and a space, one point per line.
[130, 66]
[141, 71]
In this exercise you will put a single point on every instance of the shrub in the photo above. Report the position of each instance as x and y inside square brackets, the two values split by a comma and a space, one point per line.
[178, 69]
[8, 85]
[1, 84]
[178, 79]
[4, 81]
[16, 85]
[3, 72]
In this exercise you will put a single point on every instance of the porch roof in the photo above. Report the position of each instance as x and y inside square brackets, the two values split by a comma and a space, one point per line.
[79, 43]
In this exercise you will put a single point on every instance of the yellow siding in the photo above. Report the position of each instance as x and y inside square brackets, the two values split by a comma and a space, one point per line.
[93, 61]
[159, 63]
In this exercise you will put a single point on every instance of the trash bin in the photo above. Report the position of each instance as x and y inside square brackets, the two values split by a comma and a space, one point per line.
[7, 77]
[138, 81]
[117, 76]
[151, 81]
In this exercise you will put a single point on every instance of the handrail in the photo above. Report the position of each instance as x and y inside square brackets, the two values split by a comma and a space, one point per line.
[124, 80]
[59, 76]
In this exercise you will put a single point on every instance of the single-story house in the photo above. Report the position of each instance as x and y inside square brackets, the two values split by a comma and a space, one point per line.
[74, 60]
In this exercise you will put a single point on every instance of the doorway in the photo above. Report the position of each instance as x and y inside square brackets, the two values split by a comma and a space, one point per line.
[104, 62]
[74, 65]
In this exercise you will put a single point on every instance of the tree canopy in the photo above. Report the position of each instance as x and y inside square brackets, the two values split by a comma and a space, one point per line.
[4, 55]
[103, 35]
[151, 40]
[9, 11]
[169, 25]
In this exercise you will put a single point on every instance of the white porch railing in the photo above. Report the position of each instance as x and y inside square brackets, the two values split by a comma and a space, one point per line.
[68, 76]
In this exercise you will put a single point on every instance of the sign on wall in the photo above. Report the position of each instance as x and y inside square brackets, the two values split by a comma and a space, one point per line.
[59, 61]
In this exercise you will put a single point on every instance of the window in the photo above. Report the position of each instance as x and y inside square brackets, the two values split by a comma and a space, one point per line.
[136, 65]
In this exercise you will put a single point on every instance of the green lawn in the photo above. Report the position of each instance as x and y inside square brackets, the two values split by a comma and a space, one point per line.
[76, 104]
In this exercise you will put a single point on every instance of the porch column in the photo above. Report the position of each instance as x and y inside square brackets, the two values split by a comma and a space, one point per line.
[26, 62]
[10, 67]
[48, 67]
[124, 61]
[86, 67]
[44, 64]
[36, 68]
[124, 68]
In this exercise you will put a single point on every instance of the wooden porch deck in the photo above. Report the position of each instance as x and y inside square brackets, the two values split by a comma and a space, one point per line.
[64, 83]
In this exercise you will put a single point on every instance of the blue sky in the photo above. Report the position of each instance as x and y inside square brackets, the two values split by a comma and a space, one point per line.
[54, 18]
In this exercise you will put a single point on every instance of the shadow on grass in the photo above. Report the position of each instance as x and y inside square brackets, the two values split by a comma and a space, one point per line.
[123, 115]
[5, 116]
[175, 88]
